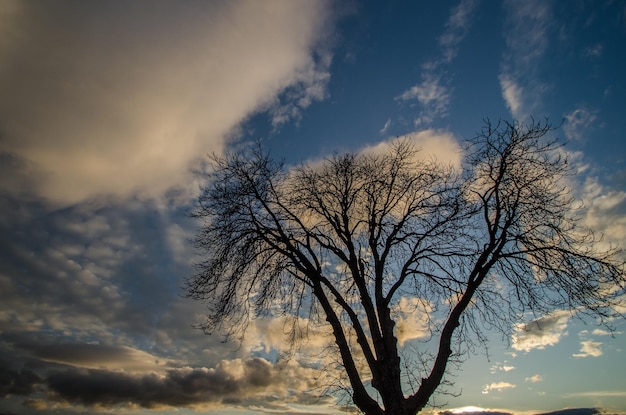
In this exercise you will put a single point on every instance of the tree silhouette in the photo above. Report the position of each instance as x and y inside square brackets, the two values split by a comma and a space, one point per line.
[344, 241]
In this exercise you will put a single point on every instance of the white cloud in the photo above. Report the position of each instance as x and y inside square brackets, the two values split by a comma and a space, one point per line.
[412, 316]
[122, 98]
[534, 379]
[432, 93]
[589, 348]
[456, 29]
[604, 213]
[542, 332]
[442, 145]
[601, 332]
[386, 127]
[433, 97]
[513, 95]
[497, 386]
[526, 26]
[578, 122]
[502, 368]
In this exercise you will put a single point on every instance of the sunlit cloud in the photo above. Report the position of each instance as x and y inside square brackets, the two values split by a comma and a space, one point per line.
[91, 105]
[502, 368]
[412, 319]
[473, 410]
[534, 379]
[94, 356]
[497, 386]
[602, 332]
[542, 332]
[440, 145]
[589, 348]
[604, 212]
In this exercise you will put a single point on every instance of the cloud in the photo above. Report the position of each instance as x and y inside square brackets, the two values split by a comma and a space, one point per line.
[534, 379]
[497, 386]
[433, 93]
[433, 97]
[237, 382]
[601, 332]
[574, 411]
[597, 394]
[95, 356]
[544, 331]
[457, 27]
[118, 98]
[578, 123]
[501, 368]
[604, 212]
[439, 144]
[589, 348]
[16, 382]
[473, 410]
[526, 34]
[412, 315]
[513, 95]
[386, 127]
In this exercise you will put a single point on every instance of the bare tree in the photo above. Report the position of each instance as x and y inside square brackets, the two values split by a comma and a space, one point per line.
[344, 240]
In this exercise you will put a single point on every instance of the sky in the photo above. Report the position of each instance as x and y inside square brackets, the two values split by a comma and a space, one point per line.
[108, 111]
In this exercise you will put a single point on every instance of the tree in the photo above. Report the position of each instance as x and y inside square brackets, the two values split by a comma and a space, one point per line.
[344, 240]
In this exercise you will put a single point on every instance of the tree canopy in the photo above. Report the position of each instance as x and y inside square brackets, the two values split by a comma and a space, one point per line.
[346, 240]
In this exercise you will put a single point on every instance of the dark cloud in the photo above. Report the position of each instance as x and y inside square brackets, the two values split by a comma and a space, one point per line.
[574, 411]
[230, 382]
[17, 382]
[93, 273]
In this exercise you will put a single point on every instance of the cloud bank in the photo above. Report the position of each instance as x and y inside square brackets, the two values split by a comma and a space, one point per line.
[236, 382]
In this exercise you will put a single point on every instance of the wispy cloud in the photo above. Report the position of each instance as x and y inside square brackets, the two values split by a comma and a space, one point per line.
[433, 93]
[578, 122]
[456, 29]
[433, 97]
[598, 394]
[542, 332]
[386, 127]
[526, 35]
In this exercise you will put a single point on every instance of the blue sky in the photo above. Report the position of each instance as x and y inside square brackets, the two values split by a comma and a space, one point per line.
[108, 108]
